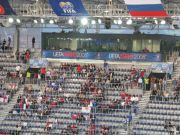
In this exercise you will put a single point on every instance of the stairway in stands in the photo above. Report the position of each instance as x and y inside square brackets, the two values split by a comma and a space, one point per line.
[155, 112]
[142, 106]
[10, 105]
[10, 85]
[176, 73]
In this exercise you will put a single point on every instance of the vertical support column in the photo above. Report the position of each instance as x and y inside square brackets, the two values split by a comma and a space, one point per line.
[97, 27]
[110, 8]
[16, 39]
[74, 44]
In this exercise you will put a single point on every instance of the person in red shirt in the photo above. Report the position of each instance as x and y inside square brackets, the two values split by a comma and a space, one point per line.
[91, 129]
[78, 70]
[123, 94]
[27, 56]
[142, 73]
[43, 73]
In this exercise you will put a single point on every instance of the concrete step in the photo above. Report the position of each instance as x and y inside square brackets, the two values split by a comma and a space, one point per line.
[9, 106]
[142, 104]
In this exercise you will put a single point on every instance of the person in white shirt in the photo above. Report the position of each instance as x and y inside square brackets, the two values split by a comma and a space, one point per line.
[24, 124]
[140, 81]
[18, 68]
[48, 74]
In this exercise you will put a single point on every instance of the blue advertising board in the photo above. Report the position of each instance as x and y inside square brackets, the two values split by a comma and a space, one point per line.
[111, 56]
[68, 7]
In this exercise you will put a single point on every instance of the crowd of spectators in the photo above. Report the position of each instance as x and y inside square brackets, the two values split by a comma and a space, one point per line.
[158, 83]
[92, 94]
[7, 92]
[165, 95]
[118, 78]
[170, 127]
[160, 92]
[9, 71]
[176, 83]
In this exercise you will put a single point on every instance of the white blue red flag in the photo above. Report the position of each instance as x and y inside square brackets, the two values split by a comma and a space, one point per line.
[146, 8]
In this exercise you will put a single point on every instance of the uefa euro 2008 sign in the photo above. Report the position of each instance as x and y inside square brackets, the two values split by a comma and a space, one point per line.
[113, 56]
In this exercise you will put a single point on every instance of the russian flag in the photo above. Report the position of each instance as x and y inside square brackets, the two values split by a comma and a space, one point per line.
[146, 8]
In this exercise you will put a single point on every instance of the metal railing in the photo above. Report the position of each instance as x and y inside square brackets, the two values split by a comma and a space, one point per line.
[95, 10]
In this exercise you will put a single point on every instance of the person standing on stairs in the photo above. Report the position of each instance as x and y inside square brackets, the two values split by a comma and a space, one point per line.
[174, 83]
[33, 42]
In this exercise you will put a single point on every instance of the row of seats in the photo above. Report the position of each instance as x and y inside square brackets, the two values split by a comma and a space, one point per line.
[154, 118]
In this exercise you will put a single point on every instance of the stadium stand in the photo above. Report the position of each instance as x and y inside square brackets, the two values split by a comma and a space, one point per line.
[68, 100]
[161, 116]
[89, 67]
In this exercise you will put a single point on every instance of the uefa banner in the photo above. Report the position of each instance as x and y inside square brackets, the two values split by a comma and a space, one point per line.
[112, 56]
[5, 8]
[68, 7]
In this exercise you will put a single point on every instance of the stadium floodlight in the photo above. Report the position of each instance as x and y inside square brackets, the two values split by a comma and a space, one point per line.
[42, 20]
[93, 22]
[119, 21]
[51, 21]
[115, 22]
[84, 21]
[99, 21]
[18, 20]
[129, 22]
[156, 21]
[106, 11]
[70, 21]
[10, 20]
[163, 22]
[35, 21]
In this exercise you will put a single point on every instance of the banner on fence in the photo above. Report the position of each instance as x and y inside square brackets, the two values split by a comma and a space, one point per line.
[112, 56]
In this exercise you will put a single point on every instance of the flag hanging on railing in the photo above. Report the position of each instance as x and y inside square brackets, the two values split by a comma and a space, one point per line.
[68, 7]
[146, 8]
[5, 8]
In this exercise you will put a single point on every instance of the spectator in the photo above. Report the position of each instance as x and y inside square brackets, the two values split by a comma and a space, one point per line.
[17, 55]
[33, 42]
[129, 118]
[4, 45]
[146, 81]
[18, 68]
[140, 82]
[18, 129]
[43, 73]
[174, 83]
[24, 125]
[164, 84]
[9, 42]
[27, 56]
